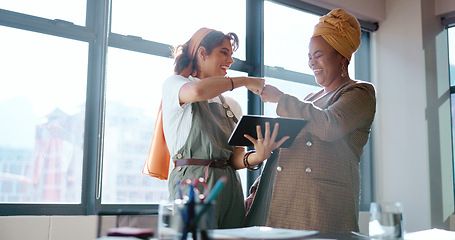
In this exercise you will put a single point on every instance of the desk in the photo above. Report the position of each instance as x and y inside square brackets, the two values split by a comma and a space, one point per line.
[420, 235]
[337, 236]
[325, 236]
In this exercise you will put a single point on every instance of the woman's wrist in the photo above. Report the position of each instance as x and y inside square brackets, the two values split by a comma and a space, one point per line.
[239, 81]
[232, 83]
[247, 163]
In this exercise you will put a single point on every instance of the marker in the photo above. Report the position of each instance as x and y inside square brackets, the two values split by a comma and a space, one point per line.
[216, 190]
[188, 213]
[179, 188]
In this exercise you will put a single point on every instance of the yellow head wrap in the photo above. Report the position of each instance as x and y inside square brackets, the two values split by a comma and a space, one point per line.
[341, 30]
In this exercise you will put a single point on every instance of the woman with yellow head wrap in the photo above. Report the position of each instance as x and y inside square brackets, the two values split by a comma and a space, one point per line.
[316, 182]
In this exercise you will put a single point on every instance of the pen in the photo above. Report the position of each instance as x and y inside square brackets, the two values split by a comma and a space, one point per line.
[180, 190]
[216, 190]
[188, 213]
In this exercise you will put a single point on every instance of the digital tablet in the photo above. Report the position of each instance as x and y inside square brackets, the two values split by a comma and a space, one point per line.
[247, 125]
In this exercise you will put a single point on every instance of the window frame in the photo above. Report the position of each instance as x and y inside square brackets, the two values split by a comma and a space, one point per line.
[449, 22]
[97, 34]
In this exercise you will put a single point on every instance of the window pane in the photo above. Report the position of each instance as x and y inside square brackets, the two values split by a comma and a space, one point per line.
[42, 105]
[296, 89]
[133, 95]
[68, 10]
[452, 56]
[295, 28]
[174, 21]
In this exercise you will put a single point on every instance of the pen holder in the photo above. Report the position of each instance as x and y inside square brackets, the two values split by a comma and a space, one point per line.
[167, 216]
[195, 221]
[180, 220]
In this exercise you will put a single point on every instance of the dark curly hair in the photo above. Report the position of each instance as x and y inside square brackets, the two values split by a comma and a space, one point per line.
[211, 41]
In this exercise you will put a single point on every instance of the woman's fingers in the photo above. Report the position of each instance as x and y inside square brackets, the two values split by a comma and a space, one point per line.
[267, 130]
[254, 141]
[282, 140]
[265, 144]
[275, 132]
[259, 133]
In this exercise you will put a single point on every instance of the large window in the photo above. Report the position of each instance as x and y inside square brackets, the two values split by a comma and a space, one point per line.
[70, 11]
[297, 27]
[133, 87]
[42, 106]
[79, 95]
[133, 96]
[174, 21]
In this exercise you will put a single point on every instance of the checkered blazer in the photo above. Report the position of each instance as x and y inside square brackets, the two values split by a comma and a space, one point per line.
[317, 179]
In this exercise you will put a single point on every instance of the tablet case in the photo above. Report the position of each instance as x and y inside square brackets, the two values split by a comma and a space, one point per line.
[247, 125]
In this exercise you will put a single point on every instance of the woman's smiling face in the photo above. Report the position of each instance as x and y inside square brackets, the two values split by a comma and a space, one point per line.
[217, 62]
[325, 62]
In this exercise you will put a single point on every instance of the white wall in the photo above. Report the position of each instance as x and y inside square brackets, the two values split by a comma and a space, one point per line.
[438, 116]
[368, 10]
[400, 136]
[413, 150]
[444, 7]
[375, 10]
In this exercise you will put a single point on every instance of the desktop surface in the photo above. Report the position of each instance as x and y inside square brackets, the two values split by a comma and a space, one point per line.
[325, 236]
[337, 236]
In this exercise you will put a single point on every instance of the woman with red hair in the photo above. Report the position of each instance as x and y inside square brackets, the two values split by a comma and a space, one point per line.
[198, 120]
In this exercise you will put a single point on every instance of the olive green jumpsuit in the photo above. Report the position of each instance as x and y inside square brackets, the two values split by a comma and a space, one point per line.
[208, 139]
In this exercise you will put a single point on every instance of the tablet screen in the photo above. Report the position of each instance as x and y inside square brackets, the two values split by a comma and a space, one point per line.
[247, 125]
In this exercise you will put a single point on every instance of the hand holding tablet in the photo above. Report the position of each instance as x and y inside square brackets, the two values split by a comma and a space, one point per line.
[248, 124]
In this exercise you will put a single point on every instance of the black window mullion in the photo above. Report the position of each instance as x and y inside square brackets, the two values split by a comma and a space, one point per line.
[54, 27]
[362, 72]
[254, 58]
[448, 22]
[289, 75]
[137, 44]
[125, 208]
[98, 19]
[18, 209]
